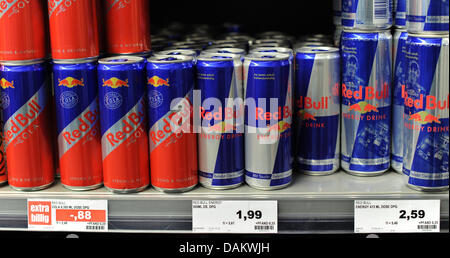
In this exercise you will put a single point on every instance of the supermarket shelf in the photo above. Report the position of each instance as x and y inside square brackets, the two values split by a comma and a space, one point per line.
[310, 205]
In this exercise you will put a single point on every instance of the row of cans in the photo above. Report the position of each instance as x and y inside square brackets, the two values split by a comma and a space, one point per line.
[74, 29]
[417, 16]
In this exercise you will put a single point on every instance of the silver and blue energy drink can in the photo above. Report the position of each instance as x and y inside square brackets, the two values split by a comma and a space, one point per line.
[268, 120]
[317, 109]
[426, 122]
[427, 16]
[367, 14]
[400, 13]
[366, 102]
[399, 80]
[221, 140]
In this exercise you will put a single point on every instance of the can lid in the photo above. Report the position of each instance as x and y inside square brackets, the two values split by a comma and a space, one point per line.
[176, 52]
[75, 61]
[272, 50]
[317, 50]
[113, 60]
[170, 59]
[22, 62]
[427, 35]
[270, 41]
[226, 50]
[267, 56]
[207, 56]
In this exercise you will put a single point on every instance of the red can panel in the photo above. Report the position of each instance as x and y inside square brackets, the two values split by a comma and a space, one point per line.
[22, 34]
[73, 29]
[127, 26]
[3, 171]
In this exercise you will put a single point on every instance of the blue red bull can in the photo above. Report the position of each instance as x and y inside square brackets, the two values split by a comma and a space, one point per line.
[426, 122]
[427, 16]
[317, 109]
[221, 140]
[268, 120]
[123, 123]
[173, 143]
[400, 13]
[367, 14]
[366, 102]
[78, 123]
[399, 80]
[25, 99]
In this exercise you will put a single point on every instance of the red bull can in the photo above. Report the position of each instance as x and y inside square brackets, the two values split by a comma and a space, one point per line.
[123, 123]
[366, 102]
[399, 80]
[268, 120]
[78, 124]
[173, 143]
[221, 140]
[427, 17]
[426, 113]
[25, 98]
[317, 109]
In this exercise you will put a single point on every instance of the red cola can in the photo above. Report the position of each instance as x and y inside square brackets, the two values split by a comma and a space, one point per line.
[127, 26]
[3, 170]
[25, 101]
[73, 29]
[23, 33]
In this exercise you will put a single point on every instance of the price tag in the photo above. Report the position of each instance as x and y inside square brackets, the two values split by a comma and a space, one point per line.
[67, 215]
[400, 216]
[213, 216]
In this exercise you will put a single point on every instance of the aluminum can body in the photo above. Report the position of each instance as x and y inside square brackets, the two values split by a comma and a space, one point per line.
[25, 95]
[367, 14]
[173, 143]
[366, 102]
[70, 36]
[427, 17]
[78, 124]
[221, 140]
[426, 98]
[123, 123]
[127, 26]
[23, 33]
[268, 120]
[317, 110]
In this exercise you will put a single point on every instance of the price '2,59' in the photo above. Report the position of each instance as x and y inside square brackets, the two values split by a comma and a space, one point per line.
[414, 214]
[250, 215]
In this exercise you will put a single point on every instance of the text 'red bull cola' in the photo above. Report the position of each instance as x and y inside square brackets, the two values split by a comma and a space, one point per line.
[78, 124]
[173, 143]
[123, 122]
[71, 36]
[25, 99]
[23, 33]
[221, 140]
[426, 117]
[399, 78]
[366, 102]
[268, 120]
[317, 109]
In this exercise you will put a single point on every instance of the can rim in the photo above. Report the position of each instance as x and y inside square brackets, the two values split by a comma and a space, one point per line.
[274, 56]
[173, 59]
[380, 30]
[417, 35]
[75, 61]
[270, 41]
[282, 50]
[317, 50]
[184, 52]
[22, 62]
[230, 49]
[206, 56]
[112, 60]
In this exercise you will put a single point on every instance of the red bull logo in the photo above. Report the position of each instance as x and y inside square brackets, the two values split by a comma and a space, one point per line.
[281, 113]
[222, 127]
[424, 102]
[86, 122]
[115, 83]
[70, 82]
[157, 82]
[6, 84]
[280, 127]
[423, 117]
[302, 114]
[366, 93]
[363, 107]
[309, 103]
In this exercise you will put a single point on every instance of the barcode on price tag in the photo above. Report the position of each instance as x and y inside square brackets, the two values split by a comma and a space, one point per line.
[210, 216]
[67, 215]
[399, 216]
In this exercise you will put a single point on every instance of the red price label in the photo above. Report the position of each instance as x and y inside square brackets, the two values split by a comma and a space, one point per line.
[80, 215]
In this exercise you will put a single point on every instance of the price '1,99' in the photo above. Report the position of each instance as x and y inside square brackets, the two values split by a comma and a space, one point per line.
[249, 215]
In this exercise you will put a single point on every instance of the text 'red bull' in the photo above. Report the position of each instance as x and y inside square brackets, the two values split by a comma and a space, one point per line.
[227, 114]
[86, 123]
[134, 118]
[366, 93]
[309, 103]
[429, 102]
[281, 113]
[22, 120]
